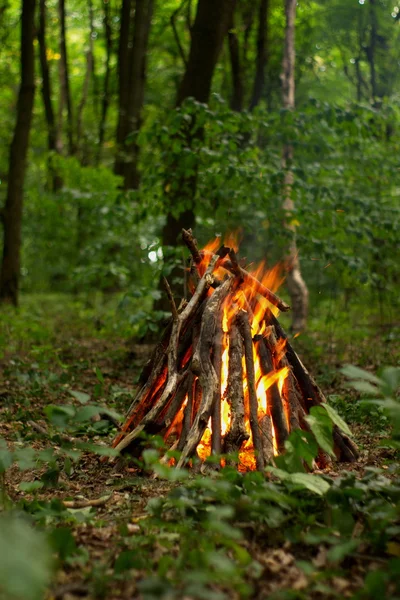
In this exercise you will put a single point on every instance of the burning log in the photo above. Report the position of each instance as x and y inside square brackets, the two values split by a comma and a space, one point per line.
[275, 404]
[237, 433]
[267, 440]
[234, 267]
[224, 377]
[203, 367]
[245, 329]
[173, 376]
[216, 415]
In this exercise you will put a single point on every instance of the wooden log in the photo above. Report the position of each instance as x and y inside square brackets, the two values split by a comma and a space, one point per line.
[237, 433]
[188, 414]
[191, 243]
[274, 400]
[173, 376]
[171, 299]
[237, 270]
[153, 375]
[216, 413]
[159, 352]
[267, 438]
[293, 399]
[176, 403]
[257, 285]
[245, 330]
[346, 449]
[203, 366]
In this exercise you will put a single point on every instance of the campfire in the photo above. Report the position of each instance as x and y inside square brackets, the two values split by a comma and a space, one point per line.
[224, 379]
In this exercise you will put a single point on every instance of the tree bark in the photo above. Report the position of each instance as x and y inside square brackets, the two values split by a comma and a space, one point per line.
[262, 54]
[370, 50]
[106, 88]
[12, 213]
[209, 29]
[65, 87]
[123, 80]
[134, 38]
[296, 285]
[86, 83]
[237, 78]
[52, 136]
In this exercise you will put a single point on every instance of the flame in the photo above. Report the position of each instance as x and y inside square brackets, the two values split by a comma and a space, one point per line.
[247, 297]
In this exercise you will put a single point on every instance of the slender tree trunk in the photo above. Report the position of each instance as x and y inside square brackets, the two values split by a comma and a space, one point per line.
[65, 87]
[52, 136]
[296, 286]
[262, 54]
[248, 23]
[85, 88]
[134, 36]
[209, 29]
[106, 89]
[12, 213]
[237, 79]
[137, 80]
[371, 48]
[123, 82]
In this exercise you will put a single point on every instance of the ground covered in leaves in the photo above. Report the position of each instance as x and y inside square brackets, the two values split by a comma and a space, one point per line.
[66, 376]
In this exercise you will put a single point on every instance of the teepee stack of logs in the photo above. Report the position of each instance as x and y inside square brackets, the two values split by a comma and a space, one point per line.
[224, 378]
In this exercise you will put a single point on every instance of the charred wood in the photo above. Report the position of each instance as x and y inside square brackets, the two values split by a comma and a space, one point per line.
[245, 330]
[237, 433]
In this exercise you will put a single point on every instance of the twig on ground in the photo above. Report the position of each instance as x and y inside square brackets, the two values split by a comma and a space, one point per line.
[85, 503]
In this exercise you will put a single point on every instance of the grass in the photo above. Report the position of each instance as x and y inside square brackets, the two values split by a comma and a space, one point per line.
[216, 536]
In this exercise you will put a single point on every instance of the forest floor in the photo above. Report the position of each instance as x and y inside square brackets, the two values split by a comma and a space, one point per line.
[59, 353]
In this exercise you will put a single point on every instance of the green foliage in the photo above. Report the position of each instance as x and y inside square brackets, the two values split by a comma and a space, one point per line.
[384, 391]
[26, 562]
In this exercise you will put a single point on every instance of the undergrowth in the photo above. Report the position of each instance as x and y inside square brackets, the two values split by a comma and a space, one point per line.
[286, 534]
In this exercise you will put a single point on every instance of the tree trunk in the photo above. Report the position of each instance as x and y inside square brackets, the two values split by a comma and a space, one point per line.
[52, 136]
[132, 90]
[65, 87]
[209, 29]
[12, 214]
[370, 50]
[85, 89]
[296, 286]
[106, 89]
[237, 79]
[262, 55]
[123, 82]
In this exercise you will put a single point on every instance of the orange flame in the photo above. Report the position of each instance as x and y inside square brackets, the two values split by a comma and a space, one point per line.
[246, 297]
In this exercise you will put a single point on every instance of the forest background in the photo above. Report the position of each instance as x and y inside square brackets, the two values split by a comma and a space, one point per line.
[121, 122]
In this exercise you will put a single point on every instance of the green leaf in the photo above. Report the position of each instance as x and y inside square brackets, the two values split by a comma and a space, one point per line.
[26, 563]
[337, 419]
[364, 387]
[26, 458]
[391, 378]
[85, 413]
[321, 426]
[82, 397]
[6, 457]
[63, 542]
[301, 445]
[340, 551]
[353, 372]
[30, 486]
[59, 415]
[99, 375]
[308, 481]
